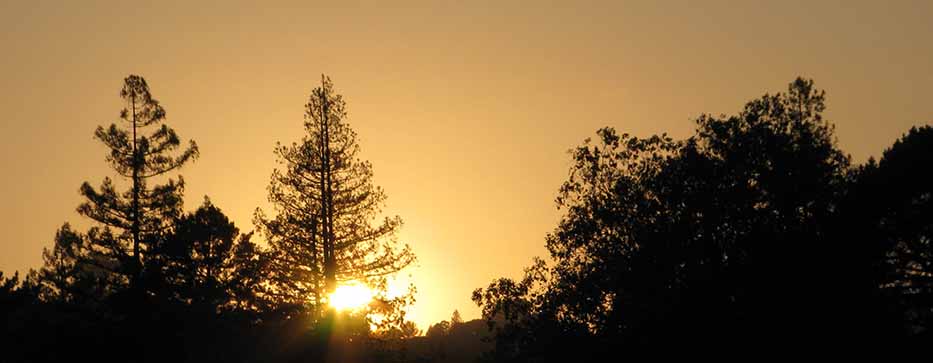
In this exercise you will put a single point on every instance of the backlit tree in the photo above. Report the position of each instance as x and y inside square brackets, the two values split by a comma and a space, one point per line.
[141, 148]
[326, 228]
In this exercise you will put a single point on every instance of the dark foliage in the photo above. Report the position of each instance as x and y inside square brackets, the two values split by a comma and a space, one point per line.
[755, 232]
[326, 228]
[151, 283]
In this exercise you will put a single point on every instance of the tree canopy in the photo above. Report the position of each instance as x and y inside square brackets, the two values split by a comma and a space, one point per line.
[740, 233]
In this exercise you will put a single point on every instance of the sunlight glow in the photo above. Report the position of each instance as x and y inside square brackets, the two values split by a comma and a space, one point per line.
[350, 297]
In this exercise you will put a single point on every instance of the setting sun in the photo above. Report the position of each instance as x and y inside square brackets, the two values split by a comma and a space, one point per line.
[350, 297]
[440, 181]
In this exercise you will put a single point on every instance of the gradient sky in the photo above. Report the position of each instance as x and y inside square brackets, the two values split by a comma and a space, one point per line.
[465, 111]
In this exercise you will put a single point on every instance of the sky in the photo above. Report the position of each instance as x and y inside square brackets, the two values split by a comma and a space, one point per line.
[466, 110]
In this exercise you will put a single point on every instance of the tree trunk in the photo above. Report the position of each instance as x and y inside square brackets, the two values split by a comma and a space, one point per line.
[137, 262]
[330, 264]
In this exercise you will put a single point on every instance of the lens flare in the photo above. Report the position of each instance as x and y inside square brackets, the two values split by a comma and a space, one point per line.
[350, 297]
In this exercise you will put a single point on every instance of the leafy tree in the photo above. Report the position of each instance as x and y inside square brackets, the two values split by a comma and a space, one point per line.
[19, 312]
[15, 293]
[778, 181]
[208, 264]
[438, 329]
[323, 231]
[894, 201]
[132, 221]
[455, 318]
[407, 329]
[246, 285]
[65, 276]
[709, 238]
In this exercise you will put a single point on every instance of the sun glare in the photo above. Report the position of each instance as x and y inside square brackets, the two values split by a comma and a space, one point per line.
[350, 297]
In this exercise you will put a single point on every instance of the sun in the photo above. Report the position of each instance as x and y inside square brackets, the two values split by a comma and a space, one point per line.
[350, 297]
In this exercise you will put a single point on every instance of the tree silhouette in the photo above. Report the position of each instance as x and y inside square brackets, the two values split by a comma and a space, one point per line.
[65, 276]
[133, 220]
[455, 318]
[722, 236]
[16, 293]
[404, 330]
[206, 263]
[895, 209]
[325, 201]
[755, 232]
[438, 329]
[779, 178]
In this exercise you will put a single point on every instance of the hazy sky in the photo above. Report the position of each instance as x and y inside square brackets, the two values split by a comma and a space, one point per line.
[465, 111]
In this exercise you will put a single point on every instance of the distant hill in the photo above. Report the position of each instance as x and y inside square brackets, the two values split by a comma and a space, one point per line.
[464, 342]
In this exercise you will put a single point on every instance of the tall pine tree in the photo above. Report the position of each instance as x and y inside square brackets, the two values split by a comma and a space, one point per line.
[140, 149]
[325, 230]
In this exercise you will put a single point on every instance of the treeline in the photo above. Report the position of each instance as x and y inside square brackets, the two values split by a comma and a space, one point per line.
[149, 282]
[756, 234]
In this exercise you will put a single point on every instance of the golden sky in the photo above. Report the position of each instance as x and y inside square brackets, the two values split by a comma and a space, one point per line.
[465, 109]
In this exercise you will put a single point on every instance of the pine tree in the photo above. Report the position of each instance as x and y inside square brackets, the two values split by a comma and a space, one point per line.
[326, 204]
[455, 318]
[132, 221]
[207, 263]
[64, 276]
